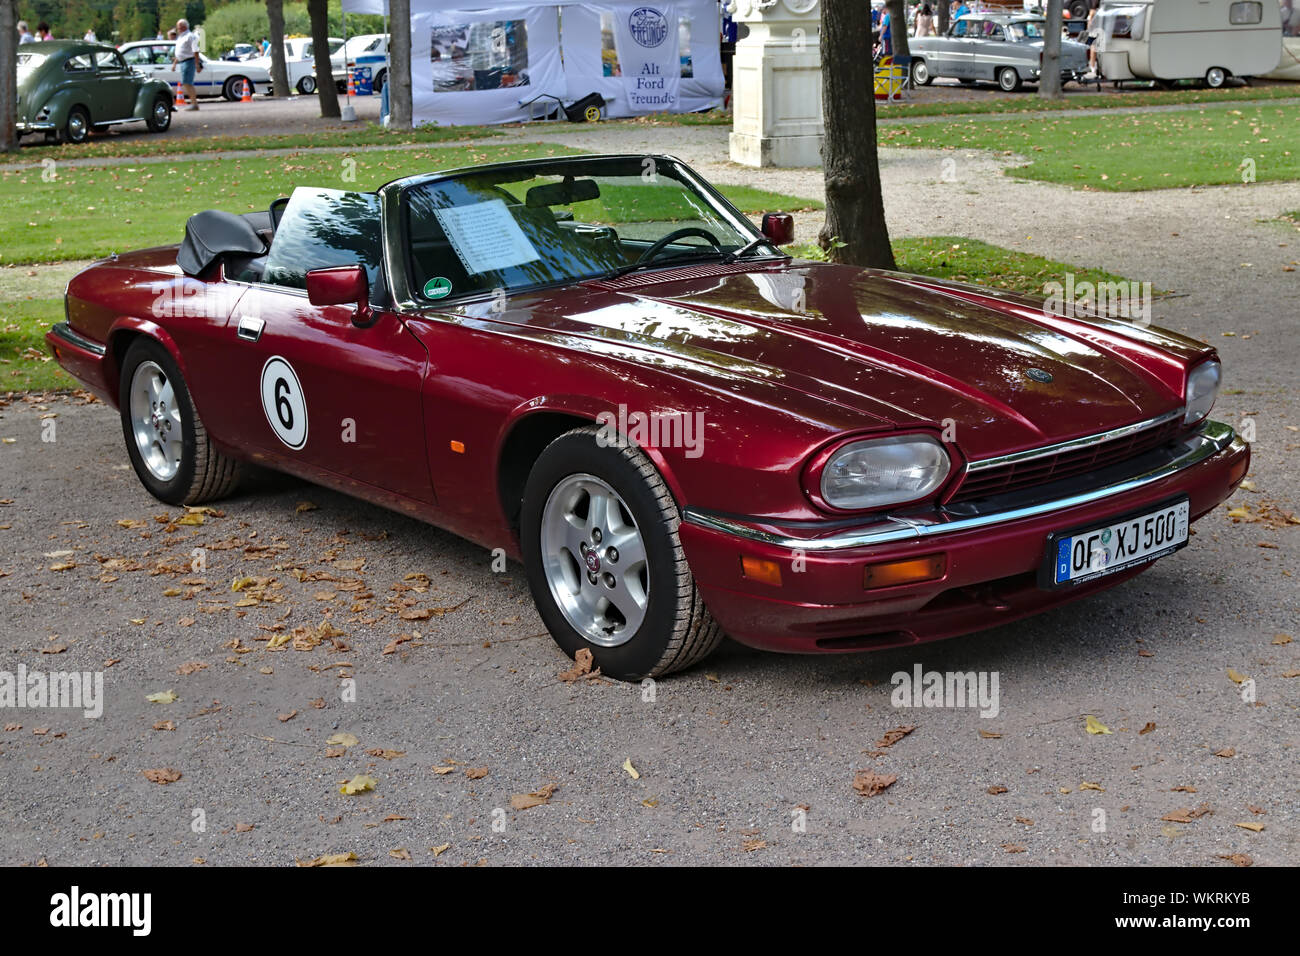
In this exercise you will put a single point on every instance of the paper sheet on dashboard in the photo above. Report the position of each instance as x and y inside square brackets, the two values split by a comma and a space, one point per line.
[485, 236]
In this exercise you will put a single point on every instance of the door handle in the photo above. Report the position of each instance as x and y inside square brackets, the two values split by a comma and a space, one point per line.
[250, 329]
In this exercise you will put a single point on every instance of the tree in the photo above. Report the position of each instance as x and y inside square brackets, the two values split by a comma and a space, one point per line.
[1049, 83]
[399, 64]
[320, 44]
[944, 8]
[279, 71]
[8, 75]
[898, 28]
[855, 230]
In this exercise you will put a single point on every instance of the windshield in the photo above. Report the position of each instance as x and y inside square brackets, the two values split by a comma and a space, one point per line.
[359, 45]
[1027, 30]
[29, 63]
[561, 222]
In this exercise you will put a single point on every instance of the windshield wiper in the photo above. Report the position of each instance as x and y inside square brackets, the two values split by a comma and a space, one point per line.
[704, 255]
[744, 250]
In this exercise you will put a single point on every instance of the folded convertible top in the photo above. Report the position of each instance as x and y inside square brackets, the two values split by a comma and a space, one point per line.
[210, 235]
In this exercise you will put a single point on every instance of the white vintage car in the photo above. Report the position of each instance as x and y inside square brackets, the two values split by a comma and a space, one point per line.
[299, 61]
[1007, 50]
[217, 78]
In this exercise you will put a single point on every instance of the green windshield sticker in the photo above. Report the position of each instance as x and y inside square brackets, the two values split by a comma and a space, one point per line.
[437, 288]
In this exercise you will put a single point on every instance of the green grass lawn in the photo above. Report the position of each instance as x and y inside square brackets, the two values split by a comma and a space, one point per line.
[25, 362]
[970, 260]
[1131, 152]
[141, 144]
[1030, 102]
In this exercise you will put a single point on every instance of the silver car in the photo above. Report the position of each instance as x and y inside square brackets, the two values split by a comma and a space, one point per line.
[1007, 50]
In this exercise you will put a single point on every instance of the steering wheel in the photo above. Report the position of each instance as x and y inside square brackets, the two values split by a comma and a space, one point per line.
[662, 243]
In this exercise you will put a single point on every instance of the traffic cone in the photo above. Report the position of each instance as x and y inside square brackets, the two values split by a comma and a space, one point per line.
[180, 98]
[248, 93]
[351, 89]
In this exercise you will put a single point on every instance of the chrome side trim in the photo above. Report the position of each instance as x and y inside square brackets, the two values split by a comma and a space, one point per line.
[1073, 445]
[1212, 438]
[76, 340]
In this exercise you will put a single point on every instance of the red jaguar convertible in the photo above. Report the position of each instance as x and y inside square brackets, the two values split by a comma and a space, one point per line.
[600, 365]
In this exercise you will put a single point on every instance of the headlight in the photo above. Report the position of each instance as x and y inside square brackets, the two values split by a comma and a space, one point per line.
[884, 471]
[1202, 390]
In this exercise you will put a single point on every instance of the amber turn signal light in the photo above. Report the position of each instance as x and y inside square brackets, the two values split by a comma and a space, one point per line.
[907, 571]
[761, 569]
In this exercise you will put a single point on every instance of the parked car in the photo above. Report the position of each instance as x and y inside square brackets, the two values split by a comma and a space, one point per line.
[1210, 40]
[680, 431]
[68, 88]
[241, 51]
[217, 78]
[299, 61]
[1005, 49]
[365, 50]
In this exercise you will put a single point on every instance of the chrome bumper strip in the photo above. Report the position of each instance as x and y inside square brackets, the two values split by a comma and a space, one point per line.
[76, 340]
[1212, 438]
[1074, 445]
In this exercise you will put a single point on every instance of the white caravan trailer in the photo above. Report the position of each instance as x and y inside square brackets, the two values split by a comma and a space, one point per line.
[1167, 40]
[1289, 66]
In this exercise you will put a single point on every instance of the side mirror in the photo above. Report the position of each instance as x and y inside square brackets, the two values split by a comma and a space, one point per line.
[778, 227]
[342, 285]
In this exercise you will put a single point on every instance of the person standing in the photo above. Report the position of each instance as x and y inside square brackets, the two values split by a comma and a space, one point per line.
[43, 34]
[90, 36]
[925, 22]
[186, 55]
[24, 34]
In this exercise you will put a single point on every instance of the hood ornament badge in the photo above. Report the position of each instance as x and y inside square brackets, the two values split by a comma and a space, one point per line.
[1038, 375]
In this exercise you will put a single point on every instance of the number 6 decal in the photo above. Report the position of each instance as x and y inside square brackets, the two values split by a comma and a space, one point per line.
[283, 402]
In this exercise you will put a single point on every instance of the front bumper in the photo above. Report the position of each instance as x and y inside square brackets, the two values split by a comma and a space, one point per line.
[993, 549]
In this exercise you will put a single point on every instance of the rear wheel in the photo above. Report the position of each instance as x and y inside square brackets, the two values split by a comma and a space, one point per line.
[234, 88]
[166, 441]
[1215, 77]
[307, 85]
[921, 74]
[605, 563]
[160, 115]
[76, 129]
[1008, 79]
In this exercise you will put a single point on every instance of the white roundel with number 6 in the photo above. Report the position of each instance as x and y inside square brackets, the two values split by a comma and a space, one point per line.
[283, 402]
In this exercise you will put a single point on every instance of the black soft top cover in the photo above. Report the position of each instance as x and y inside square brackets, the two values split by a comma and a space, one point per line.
[210, 235]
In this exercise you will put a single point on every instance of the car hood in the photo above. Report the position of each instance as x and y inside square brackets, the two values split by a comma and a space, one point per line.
[868, 349]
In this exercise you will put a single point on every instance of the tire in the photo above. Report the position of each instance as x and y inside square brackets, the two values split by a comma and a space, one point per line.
[1215, 77]
[76, 129]
[180, 473]
[1008, 79]
[307, 85]
[1078, 9]
[380, 79]
[675, 629]
[921, 74]
[233, 88]
[160, 116]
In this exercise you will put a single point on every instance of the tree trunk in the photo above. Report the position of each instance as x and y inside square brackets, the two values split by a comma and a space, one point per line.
[855, 230]
[942, 12]
[279, 71]
[1049, 83]
[8, 75]
[318, 10]
[399, 64]
[898, 28]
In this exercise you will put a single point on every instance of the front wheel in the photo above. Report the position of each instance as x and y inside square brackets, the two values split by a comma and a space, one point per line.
[1215, 77]
[166, 441]
[160, 116]
[380, 80]
[1008, 79]
[921, 74]
[234, 88]
[307, 85]
[605, 563]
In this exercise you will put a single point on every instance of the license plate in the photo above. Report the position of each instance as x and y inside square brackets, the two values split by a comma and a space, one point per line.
[1079, 556]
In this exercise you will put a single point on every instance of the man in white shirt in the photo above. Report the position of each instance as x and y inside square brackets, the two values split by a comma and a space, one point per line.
[186, 55]
[24, 34]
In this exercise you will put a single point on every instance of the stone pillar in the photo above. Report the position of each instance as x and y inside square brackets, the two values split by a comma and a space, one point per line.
[776, 83]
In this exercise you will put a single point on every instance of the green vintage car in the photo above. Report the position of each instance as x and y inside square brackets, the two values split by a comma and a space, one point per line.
[68, 88]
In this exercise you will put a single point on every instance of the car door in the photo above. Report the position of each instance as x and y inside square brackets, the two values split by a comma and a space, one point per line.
[115, 88]
[308, 389]
[990, 52]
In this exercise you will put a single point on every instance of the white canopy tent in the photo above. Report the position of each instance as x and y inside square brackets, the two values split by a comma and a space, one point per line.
[472, 63]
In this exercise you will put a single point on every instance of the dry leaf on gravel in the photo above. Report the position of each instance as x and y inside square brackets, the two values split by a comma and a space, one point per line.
[631, 770]
[990, 735]
[894, 736]
[1147, 728]
[401, 853]
[283, 718]
[163, 775]
[190, 667]
[1251, 825]
[333, 859]
[996, 789]
[1237, 859]
[581, 667]
[165, 725]
[476, 773]
[1013, 847]
[869, 784]
[386, 754]
[1225, 752]
[1095, 726]
[163, 697]
[1187, 814]
[540, 796]
[361, 783]
[343, 739]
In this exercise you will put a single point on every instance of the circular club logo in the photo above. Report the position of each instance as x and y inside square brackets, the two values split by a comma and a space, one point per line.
[648, 26]
[283, 402]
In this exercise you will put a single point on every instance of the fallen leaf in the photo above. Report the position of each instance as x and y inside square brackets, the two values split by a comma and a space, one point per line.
[996, 789]
[1236, 678]
[333, 859]
[749, 846]
[476, 773]
[869, 783]
[1225, 752]
[282, 718]
[1282, 639]
[1086, 785]
[244, 827]
[990, 735]
[304, 506]
[358, 784]
[525, 801]
[632, 771]
[1013, 847]
[401, 853]
[1095, 726]
[343, 740]
[163, 775]
[163, 697]
[581, 667]
[191, 667]
[1252, 826]
[1148, 728]
[438, 851]
[1237, 859]
[894, 736]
